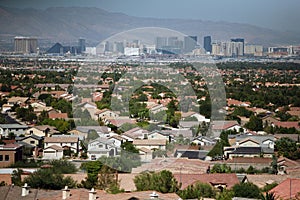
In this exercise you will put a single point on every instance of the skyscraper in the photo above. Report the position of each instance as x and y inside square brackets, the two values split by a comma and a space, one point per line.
[161, 42]
[207, 44]
[190, 43]
[25, 45]
[240, 43]
[81, 45]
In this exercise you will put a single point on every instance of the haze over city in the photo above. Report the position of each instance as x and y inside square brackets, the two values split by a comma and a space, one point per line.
[273, 14]
[135, 99]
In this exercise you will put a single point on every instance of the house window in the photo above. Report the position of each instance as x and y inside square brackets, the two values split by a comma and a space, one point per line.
[72, 144]
[100, 146]
[32, 142]
[6, 157]
[1, 157]
[60, 144]
[31, 132]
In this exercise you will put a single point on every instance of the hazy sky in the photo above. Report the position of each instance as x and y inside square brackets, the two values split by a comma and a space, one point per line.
[276, 14]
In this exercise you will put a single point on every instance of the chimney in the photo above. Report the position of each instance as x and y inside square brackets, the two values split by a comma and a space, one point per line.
[65, 193]
[92, 194]
[25, 190]
[153, 195]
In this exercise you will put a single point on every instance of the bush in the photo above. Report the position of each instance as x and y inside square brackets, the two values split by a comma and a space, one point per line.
[221, 168]
[246, 190]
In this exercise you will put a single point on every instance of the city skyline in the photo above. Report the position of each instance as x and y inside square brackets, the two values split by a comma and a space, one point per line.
[275, 14]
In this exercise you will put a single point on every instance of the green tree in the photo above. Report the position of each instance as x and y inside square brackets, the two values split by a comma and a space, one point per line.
[92, 168]
[287, 147]
[274, 165]
[197, 191]
[254, 124]
[163, 182]
[46, 179]
[246, 190]
[129, 147]
[16, 177]
[218, 148]
[63, 167]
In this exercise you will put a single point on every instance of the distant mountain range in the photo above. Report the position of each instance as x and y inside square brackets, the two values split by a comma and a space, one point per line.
[67, 24]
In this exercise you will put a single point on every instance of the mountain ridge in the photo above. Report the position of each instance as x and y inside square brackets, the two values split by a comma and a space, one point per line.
[95, 24]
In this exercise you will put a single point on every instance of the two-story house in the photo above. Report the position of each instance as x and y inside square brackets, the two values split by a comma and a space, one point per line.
[251, 146]
[101, 147]
[66, 142]
[135, 133]
[17, 129]
[42, 131]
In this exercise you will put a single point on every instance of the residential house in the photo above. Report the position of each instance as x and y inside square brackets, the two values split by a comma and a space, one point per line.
[157, 108]
[191, 154]
[42, 131]
[287, 125]
[6, 107]
[198, 116]
[218, 181]
[53, 152]
[251, 146]
[119, 121]
[288, 189]
[31, 140]
[106, 114]
[17, 129]
[218, 126]
[53, 114]
[287, 166]
[203, 141]
[101, 130]
[159, 135]
[150, 144]
[101, 147]
[80, 193]
[39, 107]
[66, 142]
[117, 140]
[10, 154]
[294, 111]
[185, 133]
[188, 124]
[91, 108]
[135, 133]
[17, 101]
[234, 102]
[145, 154]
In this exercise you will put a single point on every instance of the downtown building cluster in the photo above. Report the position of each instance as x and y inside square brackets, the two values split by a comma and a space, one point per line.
[179, 45]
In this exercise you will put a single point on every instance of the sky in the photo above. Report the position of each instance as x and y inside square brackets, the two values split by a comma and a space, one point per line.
[274, 14]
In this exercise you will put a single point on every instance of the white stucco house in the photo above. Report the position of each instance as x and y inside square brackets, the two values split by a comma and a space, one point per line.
[101, 147]
[53, 152]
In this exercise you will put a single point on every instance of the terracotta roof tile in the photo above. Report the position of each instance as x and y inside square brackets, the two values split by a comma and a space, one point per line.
[288, 189]
[189, 179]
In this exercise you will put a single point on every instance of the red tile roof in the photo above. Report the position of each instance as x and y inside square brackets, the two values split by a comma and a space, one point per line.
[287, 124]
[189, 179]
[288, 189]
[58, 115]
